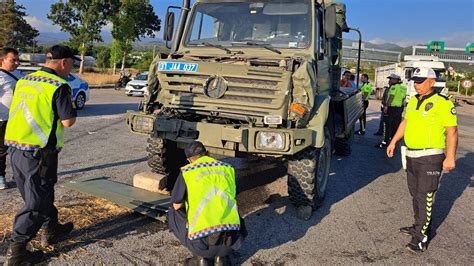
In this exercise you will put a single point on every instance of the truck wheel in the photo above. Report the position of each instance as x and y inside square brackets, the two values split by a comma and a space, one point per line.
[164, 157]
[342, 146]
[308, 173]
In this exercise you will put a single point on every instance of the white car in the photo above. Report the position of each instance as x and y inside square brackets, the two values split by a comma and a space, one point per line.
[80, 88]
[138, 86]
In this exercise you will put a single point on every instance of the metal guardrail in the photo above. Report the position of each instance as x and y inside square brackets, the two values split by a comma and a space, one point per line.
[452, 55]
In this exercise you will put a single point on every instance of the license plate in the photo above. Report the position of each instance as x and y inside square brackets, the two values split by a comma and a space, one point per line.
[137, 92]
[175, 66]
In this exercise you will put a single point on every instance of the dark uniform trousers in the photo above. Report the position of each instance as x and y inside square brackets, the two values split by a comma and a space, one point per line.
[423, 175]
[214, 245]
[3, 148]
[363, 118]
[35, 176]
[392, 121]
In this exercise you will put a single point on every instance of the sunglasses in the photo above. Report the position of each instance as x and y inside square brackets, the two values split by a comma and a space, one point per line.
[419, 80]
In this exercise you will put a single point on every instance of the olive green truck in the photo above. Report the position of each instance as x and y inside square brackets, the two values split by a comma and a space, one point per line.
[252, 78]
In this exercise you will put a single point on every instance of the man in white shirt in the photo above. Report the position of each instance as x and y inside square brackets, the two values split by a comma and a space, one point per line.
[9, 61]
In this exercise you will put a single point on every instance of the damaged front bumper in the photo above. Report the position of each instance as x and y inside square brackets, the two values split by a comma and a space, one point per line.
[227, 140]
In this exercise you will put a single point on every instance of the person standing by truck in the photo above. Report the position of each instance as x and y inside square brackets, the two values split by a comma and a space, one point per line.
[345, 81]
[394, 108]
[431, 136]
[204, 216]
[9, 61]
[41, 106]
[366, 91]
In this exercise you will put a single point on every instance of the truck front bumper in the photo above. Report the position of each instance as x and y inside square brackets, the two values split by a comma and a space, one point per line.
[227, 140]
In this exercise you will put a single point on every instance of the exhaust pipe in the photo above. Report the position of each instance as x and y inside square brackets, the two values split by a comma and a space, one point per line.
[181, 24]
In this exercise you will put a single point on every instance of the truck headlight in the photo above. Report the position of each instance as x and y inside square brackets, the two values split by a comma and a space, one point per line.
[142, 124]
[270, 141]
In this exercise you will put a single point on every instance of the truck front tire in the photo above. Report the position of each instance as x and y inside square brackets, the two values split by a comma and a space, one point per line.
[308, 173]
[165, 158]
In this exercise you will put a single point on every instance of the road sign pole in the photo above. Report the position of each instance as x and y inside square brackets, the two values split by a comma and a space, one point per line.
[459, 85]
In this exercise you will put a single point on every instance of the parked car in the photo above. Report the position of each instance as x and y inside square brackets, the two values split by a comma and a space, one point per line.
[138, 86]
[80, 88]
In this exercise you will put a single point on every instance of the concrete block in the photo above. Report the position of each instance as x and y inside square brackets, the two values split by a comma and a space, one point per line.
[149, 181]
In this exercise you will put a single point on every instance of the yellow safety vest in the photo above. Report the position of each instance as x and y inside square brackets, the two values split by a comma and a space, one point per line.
[31, 112]
[211, 204]
[427, 121]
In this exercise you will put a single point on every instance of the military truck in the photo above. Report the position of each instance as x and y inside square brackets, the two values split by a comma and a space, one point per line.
[252, 78]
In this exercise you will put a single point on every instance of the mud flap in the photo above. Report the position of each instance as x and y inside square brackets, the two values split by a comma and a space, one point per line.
[151, 204]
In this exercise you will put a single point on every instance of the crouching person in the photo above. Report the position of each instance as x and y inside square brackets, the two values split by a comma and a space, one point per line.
[204, 215]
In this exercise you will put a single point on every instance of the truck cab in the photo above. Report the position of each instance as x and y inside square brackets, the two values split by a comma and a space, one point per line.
[252, 78]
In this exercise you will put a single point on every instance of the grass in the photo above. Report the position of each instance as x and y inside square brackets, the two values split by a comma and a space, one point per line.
[96, 76]
[99, 78]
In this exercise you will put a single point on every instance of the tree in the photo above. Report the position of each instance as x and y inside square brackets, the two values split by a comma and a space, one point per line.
[102, 56]
[115, 55]
[83, 20]
[132, 20]
[14, 30]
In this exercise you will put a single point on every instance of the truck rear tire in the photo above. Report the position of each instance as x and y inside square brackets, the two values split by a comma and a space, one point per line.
[308, 173]
[342, 146]
[165, 158]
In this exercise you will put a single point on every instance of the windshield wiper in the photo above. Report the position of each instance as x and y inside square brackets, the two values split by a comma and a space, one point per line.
[216, 46]
[260, 44]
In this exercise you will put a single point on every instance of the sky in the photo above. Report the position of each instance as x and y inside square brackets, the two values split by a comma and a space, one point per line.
[403, 22]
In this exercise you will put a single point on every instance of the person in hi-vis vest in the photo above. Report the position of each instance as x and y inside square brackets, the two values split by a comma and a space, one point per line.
[41, 106]
[204, 216]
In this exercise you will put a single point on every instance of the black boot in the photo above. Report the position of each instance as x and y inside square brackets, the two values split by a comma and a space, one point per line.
[416, 246]
[222, 261]
[17, 254]
[197, 261]
[56, 233]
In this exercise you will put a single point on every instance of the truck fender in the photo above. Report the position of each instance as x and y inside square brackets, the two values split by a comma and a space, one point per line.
[319, 118]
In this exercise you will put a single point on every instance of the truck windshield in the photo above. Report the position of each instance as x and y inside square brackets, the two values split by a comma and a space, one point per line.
[279, 24]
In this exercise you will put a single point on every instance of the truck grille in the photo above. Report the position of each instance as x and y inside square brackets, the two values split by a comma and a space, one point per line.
[255, 94]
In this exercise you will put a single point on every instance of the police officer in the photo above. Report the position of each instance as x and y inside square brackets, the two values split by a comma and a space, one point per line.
[430, 133]
[204, 214]
[366, 91]
[9, 61]
[41, 107]
[381, 130]
[394, 109]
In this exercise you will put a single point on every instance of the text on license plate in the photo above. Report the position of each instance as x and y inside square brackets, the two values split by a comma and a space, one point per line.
[174, 66]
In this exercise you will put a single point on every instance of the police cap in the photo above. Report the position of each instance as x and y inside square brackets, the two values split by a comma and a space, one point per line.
[61, 52]
[194, 148]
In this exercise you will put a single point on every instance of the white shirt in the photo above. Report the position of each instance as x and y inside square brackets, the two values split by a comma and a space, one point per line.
[7, 86]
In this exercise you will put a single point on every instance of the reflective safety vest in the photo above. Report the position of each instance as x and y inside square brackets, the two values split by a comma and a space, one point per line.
[399, 92]
[31, 112]
[211, 204]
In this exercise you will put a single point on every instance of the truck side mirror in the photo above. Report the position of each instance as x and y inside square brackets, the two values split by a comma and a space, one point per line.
[169, 26]
[330, 22]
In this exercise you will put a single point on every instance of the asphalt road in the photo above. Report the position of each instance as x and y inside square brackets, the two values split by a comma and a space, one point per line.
[367, 202]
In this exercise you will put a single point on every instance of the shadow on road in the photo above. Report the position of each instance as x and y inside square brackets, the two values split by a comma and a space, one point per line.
[278, 224]
[106, 109]
[451, 187]
[106, 232]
